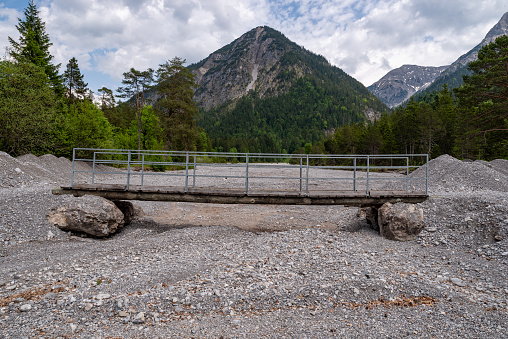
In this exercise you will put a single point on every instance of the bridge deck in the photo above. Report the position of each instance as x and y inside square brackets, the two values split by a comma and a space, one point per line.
[238, 196]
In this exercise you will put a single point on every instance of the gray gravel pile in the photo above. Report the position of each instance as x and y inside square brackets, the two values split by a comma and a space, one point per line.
[209, 271]
[449, 174]
[29, 169]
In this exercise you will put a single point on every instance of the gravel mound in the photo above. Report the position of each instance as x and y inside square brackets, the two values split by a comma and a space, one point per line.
[449, 174]
[500, 165]
[210, 271]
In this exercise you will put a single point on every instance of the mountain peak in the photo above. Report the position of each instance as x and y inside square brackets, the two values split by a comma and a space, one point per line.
[232, 71]
[401, 83]
[501, 28]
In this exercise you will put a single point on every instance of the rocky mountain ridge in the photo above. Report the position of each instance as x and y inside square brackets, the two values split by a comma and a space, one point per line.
[401, 83]
[392, 87]
[251, 62]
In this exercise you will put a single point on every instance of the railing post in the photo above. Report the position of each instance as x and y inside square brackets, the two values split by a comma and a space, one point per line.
[427, 176]
[354, 175]
[301, 173]
[194, 173]
[73, 158]
[368, 170]
[93, 169]
[307, 179]
[407, 174]
[128, 170]
[246, 174]
[186, 172]
[142, 168]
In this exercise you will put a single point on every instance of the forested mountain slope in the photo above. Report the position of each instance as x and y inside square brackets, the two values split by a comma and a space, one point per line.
[265, 93]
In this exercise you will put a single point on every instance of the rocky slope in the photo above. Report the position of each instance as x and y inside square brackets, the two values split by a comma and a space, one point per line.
[401, 83]
[246, 64]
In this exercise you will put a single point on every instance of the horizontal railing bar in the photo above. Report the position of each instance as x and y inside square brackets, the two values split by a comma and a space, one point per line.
[279, 155]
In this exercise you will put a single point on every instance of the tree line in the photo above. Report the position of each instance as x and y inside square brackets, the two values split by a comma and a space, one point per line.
[42, 111]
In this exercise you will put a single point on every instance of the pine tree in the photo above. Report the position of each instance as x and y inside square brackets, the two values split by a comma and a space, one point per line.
[483, 102]
[28, 111]
[75, 87]
[137, 83]
[175, 88]
[107, 98]
[33, 45]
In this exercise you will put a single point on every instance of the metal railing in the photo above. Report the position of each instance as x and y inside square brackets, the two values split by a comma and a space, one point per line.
[359, 172]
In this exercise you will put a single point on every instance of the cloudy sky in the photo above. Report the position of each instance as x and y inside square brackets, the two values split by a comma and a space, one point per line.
[366, 38]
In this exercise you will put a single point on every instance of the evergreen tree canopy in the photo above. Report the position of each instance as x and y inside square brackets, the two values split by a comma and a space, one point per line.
[33, 45]
[175, 89]
[107, 98]
[137, 83]
[27, 109]
[75, 87]
[483, 101]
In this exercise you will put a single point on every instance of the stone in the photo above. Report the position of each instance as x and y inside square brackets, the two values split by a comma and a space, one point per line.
[371, 214]
[50, 295]
[139, 318]
[401, 221]
[458, 282]
[88, 307]
[25, 308]
[123, 314]
[102, 296]
[498, 237]
[92, 215]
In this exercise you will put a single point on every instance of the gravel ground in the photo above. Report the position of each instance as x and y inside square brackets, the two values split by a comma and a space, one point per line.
[202, 270]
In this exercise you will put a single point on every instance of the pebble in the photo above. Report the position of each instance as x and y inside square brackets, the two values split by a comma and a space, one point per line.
[139, 318]
[103, 296]
[25, 308]
[458, 282]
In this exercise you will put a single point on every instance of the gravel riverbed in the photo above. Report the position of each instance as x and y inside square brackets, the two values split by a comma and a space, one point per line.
[210, 271]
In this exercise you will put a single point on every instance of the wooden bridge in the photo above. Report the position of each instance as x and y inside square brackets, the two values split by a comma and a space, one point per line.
[247, 178]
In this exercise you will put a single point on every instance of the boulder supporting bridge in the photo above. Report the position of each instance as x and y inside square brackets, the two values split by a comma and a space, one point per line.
[248, 178]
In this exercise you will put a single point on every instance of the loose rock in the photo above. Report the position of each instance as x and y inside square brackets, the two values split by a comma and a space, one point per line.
[401, 222]
[92, 215]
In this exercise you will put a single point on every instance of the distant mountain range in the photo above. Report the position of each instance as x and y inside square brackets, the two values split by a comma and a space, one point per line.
[400, 84]
[262, 85]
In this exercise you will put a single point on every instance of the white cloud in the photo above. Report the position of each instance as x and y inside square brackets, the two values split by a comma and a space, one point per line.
[8, 21]
[364, 37]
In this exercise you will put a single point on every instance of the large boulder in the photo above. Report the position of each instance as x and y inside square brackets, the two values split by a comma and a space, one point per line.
[92, 215]
[401, 221]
